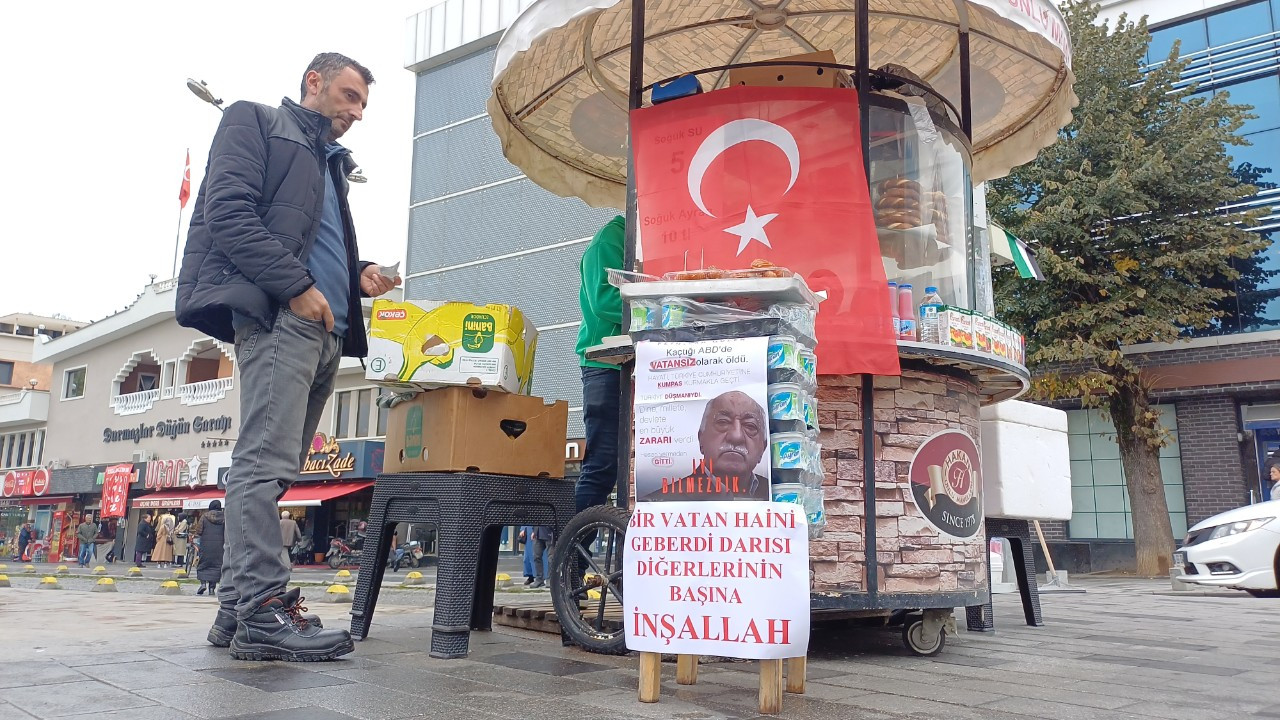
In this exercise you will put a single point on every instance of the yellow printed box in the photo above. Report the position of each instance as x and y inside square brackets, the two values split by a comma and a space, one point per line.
[429, 344]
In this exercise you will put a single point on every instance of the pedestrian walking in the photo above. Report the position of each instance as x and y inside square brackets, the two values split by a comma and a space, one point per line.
[544, 538]
[180, 532]
[25, 536]
[162, 555]
[145, 541]
[271, 264]
[210, 533]
[86, 533]
[290, 535]
[117, 546]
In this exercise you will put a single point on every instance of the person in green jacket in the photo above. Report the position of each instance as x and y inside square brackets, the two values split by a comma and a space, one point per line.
[601, 306]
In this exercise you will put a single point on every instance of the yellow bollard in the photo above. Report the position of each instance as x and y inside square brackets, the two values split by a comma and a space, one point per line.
[29, 569]
[169, 587]
[4, 581]
[337, 594]
[105, 584]
[502, 580]
[100, 570]
[62, 570]
[413, 578]
[135, 572]
[50, 583]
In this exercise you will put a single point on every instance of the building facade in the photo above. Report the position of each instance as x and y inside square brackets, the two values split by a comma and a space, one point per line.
[135, 391]
[479, 230]
[24, 410]
[1219, 394]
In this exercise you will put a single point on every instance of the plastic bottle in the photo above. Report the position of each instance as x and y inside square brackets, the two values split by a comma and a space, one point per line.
[906, 313]
[893, 306]
[931, 308]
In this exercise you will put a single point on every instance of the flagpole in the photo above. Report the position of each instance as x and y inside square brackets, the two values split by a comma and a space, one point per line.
[177, 242]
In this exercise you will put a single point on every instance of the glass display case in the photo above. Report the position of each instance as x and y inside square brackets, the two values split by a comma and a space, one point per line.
[921, 195]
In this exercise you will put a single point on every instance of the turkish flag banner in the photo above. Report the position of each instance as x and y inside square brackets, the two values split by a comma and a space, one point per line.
[184, 190]
[746, 173]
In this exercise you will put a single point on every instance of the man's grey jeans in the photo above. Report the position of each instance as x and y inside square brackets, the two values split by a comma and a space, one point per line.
[286, 377]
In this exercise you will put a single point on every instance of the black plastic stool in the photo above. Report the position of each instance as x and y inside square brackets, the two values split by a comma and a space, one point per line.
[979, 618]
[468, 511]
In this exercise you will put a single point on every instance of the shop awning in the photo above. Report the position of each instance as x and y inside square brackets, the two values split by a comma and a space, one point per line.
[1011, 248]
[176, 498]
[311, 495]
[200, 500]
[38, 500]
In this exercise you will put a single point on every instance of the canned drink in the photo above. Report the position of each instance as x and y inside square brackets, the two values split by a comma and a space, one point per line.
[787, 450]
[674, 310]
[786, 401]
[644, 315]
[783, 352]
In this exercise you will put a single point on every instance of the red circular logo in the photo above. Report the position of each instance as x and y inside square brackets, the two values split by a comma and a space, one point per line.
[946, 483]
[40, 481]
[10, 483]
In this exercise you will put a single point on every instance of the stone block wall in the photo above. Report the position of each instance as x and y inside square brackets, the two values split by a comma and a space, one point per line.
[912, 555]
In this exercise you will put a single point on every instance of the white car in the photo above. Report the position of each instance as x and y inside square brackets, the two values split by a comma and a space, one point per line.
[1236, 549]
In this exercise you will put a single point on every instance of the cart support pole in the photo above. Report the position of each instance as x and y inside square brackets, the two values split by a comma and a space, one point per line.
[867, 395]
[635, 99]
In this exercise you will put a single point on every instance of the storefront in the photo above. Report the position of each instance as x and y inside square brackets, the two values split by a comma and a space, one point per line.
[25, 497]
[334, 490]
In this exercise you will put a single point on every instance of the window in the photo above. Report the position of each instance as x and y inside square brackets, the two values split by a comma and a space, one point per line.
[1192, 35]
[1239, 23]
[147, 381]
[168, 378]
[342, 415]
[1099, 497]
[1263, 95]
[23, 449]
[383, 412]
[73, 383]
[6, 373]
[364, 398]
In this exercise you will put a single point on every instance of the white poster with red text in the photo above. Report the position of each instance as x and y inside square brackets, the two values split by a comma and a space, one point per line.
[717, 578]
[701, 420]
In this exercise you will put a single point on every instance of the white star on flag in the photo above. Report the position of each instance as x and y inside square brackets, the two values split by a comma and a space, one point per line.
[752, 228]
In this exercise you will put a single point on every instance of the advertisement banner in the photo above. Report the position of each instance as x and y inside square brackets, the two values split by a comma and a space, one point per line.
[25, 482]
[717, 578]
[946, 483]
[776, 174]
[115, 490]
[701, 428]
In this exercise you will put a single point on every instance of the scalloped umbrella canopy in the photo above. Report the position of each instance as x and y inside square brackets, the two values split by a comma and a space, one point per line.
[560, 111]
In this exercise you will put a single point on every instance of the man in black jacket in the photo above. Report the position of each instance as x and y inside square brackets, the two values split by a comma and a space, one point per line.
[271, 264]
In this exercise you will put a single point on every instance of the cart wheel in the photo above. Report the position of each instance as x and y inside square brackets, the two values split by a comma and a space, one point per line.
[913, 636]
[586, 585]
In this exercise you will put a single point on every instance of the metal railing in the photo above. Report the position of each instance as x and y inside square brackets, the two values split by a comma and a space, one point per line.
[1230, 63]
[204, 392]
[134, 403]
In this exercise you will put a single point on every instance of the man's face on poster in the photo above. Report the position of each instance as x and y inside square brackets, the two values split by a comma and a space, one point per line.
[734, 435]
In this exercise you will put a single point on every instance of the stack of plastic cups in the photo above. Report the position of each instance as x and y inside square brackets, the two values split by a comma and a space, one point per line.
[793, 421]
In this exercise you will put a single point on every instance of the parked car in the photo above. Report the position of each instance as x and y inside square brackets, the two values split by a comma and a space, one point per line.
[1236, 549]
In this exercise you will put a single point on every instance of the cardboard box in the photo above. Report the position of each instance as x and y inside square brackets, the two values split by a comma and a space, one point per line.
[957, 328]
[474, 430]
[792, 75]
[982, 333]
[436, 344]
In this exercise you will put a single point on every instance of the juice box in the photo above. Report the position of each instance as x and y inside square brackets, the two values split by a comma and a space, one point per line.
[982, 333]
[429, 344]
[957, 327]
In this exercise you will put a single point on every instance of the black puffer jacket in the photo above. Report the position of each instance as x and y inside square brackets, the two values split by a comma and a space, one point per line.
[255, 221]
[212, 534]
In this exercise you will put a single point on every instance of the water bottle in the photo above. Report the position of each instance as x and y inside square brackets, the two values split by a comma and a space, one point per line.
[931, 308]
[893, 308]
[906, 313]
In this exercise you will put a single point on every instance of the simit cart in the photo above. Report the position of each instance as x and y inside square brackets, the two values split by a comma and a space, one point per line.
[951, 93]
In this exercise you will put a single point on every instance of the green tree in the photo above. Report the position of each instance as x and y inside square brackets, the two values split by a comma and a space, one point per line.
[1122, 213]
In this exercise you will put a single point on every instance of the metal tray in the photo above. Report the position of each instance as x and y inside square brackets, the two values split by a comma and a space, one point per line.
[767, 290]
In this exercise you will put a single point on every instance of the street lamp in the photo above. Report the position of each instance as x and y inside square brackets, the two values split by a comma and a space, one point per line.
[200, 89]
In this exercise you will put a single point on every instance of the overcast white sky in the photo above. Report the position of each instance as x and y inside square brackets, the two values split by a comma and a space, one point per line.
[97, 119]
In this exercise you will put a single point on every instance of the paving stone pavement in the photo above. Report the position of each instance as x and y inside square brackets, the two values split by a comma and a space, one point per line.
[1124, 650]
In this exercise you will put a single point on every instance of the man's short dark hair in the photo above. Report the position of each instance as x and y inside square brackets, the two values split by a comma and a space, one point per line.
[329, 65]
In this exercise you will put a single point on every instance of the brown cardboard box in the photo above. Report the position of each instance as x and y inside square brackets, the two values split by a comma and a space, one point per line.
[460, 429]
[792, 75]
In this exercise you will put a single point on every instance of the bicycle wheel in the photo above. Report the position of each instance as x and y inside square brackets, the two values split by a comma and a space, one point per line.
[586, 585]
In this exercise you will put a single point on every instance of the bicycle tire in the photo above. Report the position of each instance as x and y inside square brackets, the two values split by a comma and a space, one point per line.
[600, 634]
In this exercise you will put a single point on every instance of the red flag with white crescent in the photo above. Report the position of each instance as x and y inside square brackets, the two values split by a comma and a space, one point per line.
[184, 192]
[748, 173]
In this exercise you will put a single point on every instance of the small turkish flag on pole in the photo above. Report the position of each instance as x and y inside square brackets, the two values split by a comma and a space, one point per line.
[734, 175]
[184, 192]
